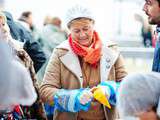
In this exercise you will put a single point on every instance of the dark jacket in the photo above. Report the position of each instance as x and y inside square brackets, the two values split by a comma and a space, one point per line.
[156, 60]
[32, 47]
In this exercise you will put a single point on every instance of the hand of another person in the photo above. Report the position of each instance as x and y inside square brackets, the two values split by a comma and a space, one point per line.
[149, 115]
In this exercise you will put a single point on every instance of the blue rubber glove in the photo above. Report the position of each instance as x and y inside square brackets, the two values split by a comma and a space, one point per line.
[110, 88]
[70, 100]
[49, 109]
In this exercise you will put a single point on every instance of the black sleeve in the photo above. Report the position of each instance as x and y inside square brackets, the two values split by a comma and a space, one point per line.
[35, 52]
[33, 48]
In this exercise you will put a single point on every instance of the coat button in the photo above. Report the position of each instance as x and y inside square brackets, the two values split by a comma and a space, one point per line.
[107, 66]
[108, 60]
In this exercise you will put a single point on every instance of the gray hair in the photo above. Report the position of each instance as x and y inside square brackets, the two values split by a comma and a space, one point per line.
[137, 93]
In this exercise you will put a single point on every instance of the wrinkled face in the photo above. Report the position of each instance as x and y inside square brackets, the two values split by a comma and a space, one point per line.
[152, 10]
[4, 29]
[82, 31]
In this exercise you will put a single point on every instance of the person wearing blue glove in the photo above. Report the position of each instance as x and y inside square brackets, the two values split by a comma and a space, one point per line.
[73, 100]
[78, 65]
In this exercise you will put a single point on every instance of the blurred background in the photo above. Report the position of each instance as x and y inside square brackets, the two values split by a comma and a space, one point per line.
[122, 21]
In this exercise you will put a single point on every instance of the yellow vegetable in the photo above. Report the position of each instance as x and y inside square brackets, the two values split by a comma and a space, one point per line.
[100, 96]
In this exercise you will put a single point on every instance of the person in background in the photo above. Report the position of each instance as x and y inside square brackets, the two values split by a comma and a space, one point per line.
[138, 97]
[32, 47]
[47, 20]
[53, 35]
[78, 65]
[26, 19]
[34, 111]
[146, 31]
[152, 10]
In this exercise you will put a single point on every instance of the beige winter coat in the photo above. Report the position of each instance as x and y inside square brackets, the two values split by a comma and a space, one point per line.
[64, 71]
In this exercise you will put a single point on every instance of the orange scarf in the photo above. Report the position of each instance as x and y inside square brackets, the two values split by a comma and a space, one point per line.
[90, 54]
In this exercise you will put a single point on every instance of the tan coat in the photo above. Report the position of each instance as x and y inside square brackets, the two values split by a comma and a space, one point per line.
[64, 71]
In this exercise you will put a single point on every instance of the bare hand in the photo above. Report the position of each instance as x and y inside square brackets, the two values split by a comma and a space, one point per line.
[150, 115]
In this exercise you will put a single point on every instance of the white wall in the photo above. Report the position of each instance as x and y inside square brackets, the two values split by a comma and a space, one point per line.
[107, 13]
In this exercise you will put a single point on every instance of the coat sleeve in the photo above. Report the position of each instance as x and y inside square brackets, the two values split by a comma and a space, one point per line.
[51, 82]
[120, 70]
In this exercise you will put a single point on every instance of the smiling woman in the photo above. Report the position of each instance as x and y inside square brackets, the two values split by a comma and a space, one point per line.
[77, 66]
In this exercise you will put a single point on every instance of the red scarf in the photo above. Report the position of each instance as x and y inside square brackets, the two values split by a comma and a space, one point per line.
[90, 54]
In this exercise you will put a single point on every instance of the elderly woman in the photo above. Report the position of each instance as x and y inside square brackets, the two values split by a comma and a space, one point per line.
[139, 97]
[19, 55]
[76, 66]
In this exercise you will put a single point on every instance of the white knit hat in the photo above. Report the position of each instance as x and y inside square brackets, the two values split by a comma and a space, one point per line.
[78, 12]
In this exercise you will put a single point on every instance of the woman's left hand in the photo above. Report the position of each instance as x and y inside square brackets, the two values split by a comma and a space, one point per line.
[86, 97]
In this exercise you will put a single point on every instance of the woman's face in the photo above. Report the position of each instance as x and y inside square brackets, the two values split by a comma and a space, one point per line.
[4, 29]
[82, 31]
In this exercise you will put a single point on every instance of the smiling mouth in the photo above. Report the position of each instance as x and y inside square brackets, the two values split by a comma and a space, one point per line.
[83, 39]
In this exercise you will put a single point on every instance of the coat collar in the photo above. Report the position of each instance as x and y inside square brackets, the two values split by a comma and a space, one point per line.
[71, 61]
[108, 59]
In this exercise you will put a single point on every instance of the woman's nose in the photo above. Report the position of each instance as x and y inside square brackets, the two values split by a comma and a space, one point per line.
[82, 34]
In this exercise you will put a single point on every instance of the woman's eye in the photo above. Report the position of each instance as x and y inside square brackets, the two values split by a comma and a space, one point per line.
[85, 29]
[76, 31]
